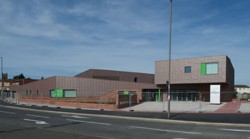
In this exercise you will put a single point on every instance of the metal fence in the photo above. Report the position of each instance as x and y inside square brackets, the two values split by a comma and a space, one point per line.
[243, 96]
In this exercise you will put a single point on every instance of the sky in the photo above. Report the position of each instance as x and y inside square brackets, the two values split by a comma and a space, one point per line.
[43, 38]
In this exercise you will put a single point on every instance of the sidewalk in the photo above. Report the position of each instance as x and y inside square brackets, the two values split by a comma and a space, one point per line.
[230, 107]
[176, 106]
[234, 106]
[192, 107]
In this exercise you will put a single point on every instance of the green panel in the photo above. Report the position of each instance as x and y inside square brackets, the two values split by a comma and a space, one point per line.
[58, 93]
[125, 93]
[159, 95]
[203, 68]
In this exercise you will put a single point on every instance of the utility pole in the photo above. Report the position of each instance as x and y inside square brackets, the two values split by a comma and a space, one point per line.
[2, 77]
[169, 60]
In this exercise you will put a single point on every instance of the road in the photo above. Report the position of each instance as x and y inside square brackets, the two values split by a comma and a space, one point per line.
[23, 123]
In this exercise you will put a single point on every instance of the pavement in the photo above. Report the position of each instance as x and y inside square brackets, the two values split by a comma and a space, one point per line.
[234, 106]
[230, 107]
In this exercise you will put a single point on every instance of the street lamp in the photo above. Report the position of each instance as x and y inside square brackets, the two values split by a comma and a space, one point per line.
[2, 77]
[169, 59]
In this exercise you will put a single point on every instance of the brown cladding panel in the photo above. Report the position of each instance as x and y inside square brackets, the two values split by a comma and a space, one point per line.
[96, 87]
[39, 88]
[178, 76]
[117, 75]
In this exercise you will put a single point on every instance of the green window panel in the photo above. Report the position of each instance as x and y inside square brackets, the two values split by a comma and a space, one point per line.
[209, 68]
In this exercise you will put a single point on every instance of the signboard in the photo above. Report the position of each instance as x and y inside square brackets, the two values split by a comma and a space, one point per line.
[127, 93]
[215, 94]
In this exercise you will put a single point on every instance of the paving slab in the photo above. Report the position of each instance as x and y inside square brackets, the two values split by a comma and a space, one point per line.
[176, 106]
[245, 107]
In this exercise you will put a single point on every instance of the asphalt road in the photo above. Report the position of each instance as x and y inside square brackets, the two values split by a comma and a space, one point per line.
[237, 118]
[23, 123]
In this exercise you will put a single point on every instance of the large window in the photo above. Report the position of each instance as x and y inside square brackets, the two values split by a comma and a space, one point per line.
[212, 68]
[209, 68]
[60, 93]
[69, 93]
[56, 93]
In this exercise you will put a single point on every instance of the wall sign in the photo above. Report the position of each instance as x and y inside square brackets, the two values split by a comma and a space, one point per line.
[215, 94]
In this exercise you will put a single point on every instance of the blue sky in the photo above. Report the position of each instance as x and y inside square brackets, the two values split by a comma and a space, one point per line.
[43, 38]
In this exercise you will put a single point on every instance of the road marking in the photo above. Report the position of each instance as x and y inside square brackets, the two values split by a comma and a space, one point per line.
[75, 116]
[36, 121]
[164, 130]
[38, 116]
[7, 112]
[235, 130]
[89, 122]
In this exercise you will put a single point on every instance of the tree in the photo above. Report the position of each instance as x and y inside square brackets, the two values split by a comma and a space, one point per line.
[20, 76]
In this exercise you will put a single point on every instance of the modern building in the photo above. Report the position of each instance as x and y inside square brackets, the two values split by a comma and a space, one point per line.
[191, 77]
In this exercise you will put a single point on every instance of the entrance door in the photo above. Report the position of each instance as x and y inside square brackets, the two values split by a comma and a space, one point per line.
[184, 95]
[149, 96]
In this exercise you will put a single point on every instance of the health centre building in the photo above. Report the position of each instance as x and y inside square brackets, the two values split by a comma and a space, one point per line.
[190, 80]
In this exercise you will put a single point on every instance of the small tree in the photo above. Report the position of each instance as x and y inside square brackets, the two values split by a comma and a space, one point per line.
[20, 76]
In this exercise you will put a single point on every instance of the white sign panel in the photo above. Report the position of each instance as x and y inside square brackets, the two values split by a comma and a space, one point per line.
[215, 94]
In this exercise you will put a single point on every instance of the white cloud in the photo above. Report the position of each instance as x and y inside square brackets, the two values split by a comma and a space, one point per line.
[42, 37]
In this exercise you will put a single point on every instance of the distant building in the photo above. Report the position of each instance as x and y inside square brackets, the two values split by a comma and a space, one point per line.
[6, 83]
[243, 91]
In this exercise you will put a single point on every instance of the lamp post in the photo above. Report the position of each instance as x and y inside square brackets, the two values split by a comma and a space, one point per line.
[169, 59]
[2, 77]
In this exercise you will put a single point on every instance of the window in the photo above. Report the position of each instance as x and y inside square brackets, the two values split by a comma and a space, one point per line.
[70, 93]
[135, 79]
[56, 93]
[212, 68]
[26, 93]
[60, 93]
[209, 68]
[187, 69]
